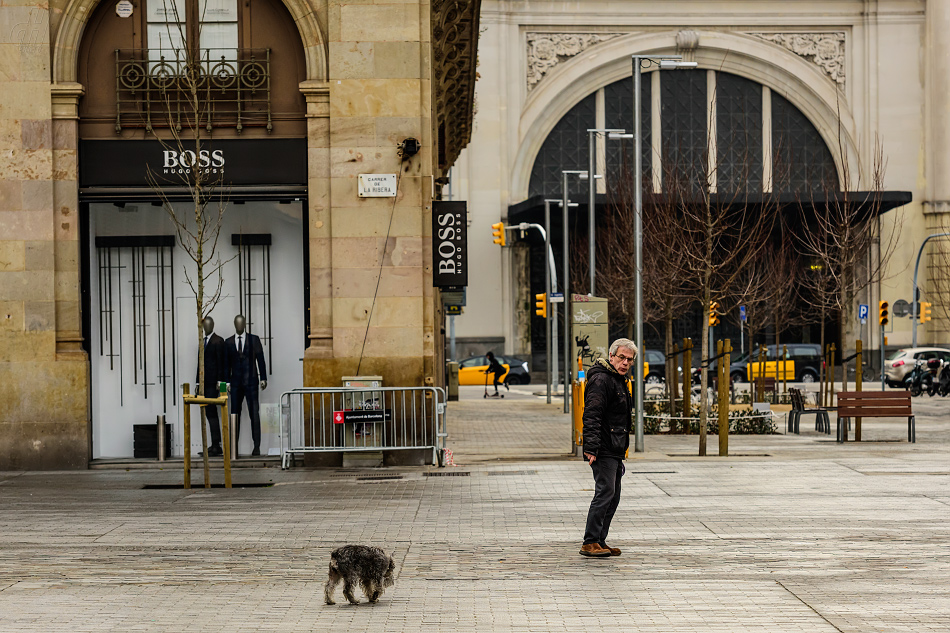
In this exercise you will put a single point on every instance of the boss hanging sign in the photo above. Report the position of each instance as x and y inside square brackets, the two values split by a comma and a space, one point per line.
[449, 244]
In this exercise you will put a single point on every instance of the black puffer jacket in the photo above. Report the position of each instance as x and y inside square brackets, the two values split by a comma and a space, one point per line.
[607, 409]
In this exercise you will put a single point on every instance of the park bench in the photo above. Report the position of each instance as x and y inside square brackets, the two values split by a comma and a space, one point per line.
[822, 421]
[875, 404]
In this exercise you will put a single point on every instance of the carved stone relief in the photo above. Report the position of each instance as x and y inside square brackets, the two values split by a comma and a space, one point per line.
[826, 50]
[547, 50]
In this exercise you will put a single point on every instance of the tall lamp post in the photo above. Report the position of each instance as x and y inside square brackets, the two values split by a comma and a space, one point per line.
[639, 62]
[568, 362]
[913, 310]
[611, 134]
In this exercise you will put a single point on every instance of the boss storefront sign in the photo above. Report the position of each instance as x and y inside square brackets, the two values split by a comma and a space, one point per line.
[116, 163]
[449, 243]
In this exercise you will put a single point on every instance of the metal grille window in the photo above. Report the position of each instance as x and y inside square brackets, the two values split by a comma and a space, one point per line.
[801, 160]
[154, 85]
[564, 148]
[738, 134]
[683, 121]
[797, 161]
[618, 105]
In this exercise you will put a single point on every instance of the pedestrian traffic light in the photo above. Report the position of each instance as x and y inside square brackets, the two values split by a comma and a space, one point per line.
[541, 305]
[713, 314]
[498, 232]
[925, 311]
[882, 313]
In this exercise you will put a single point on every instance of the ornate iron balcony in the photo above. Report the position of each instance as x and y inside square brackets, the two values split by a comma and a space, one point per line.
[153, 89]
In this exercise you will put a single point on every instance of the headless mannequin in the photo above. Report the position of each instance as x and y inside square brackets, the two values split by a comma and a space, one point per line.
[215, 361]
[248, 373]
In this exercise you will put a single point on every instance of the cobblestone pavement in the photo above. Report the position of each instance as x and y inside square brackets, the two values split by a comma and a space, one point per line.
[796, 534]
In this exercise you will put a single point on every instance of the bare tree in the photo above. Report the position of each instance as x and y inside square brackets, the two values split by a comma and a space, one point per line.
[724, 232]
[836, 241]
[187, 110]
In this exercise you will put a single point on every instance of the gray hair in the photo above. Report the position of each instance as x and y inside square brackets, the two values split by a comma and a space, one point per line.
[623, 342]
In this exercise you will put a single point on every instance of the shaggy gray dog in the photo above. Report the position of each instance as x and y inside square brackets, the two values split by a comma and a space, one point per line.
[370, 567]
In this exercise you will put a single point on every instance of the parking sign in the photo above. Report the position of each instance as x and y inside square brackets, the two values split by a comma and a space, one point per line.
[863, 311]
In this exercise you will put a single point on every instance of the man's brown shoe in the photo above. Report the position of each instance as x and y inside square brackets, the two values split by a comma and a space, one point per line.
[594, 549]
[613, 550]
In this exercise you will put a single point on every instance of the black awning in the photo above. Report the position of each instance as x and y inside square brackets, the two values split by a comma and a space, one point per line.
[532, 209]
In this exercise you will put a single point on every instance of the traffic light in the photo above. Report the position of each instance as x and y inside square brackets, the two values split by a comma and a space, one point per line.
[498, 232]
[925, 311]
[713, 314]
[541, 305]
[883, 316]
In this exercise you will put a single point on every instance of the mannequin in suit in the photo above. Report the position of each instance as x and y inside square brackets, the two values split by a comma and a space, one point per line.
[216, 365]
[248, 372]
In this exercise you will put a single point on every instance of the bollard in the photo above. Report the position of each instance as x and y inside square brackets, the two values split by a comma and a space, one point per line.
[186, 416]
[160, 429]
[687, 382]
[859, 384]
[724, 347]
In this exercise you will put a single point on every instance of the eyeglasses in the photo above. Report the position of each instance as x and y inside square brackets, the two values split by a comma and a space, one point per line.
[624, 359]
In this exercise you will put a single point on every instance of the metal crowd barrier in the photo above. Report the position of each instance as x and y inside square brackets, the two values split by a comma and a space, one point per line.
[380, 419]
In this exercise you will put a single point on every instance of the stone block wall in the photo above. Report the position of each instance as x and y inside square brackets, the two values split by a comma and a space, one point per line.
[44, 375]
[372, 303]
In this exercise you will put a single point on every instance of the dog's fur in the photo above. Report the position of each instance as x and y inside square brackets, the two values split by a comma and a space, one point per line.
[370, 567]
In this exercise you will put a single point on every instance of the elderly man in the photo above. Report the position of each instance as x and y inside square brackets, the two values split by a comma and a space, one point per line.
[608, 404]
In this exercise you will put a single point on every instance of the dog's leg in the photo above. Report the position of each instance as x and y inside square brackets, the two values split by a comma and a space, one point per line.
[330, 587]
[348, 591]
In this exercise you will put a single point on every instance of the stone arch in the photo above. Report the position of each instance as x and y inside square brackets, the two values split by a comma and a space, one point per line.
[73, 24]
[796, 79]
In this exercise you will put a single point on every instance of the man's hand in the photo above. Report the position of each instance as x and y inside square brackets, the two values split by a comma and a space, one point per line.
[591, 458]
[263, 385]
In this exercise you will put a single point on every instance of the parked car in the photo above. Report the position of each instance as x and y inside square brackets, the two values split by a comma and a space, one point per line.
[472, 370]
[654, 366]
[901, 362]
[518, 373]
[807, 357]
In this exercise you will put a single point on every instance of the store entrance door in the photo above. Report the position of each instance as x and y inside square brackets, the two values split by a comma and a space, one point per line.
[144, 322]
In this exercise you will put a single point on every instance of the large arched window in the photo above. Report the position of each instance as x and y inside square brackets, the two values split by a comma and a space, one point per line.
[759, 140]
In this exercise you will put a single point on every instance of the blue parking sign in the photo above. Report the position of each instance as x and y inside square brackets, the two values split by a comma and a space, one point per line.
[742, 314]
[863, 311]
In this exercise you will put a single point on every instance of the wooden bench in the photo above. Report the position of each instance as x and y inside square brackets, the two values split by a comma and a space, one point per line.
[822, 421]
[875, 404]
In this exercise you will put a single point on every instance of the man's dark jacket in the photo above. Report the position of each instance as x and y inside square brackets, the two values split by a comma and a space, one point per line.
[216, 365]
[247, 368]
[607, 409]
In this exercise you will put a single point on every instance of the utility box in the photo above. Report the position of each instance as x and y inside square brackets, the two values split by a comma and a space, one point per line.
[589, 329]
[452, 383]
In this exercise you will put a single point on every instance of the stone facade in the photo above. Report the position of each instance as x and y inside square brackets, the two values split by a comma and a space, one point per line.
[871, 72]
[369, 86]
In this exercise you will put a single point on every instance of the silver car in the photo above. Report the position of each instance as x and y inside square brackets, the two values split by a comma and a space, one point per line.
[901, 362]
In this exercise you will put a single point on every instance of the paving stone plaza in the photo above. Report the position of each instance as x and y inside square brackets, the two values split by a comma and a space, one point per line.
[790, 534]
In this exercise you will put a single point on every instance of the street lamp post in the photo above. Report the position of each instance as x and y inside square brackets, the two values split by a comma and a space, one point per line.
[913, 313]
[664, 62]
[568, 364]
[551, 289]
[611, 134]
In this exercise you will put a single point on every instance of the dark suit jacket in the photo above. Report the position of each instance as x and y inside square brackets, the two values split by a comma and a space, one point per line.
[216, 365]
[247, 368]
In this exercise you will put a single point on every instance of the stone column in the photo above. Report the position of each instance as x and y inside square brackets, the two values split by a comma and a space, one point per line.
[381, 305]
[45, 424]
[938, 25]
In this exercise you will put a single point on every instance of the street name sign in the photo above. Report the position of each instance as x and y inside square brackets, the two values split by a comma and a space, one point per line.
[377, 185]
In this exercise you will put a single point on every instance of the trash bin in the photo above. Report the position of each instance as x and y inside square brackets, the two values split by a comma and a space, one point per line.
[452, 381]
